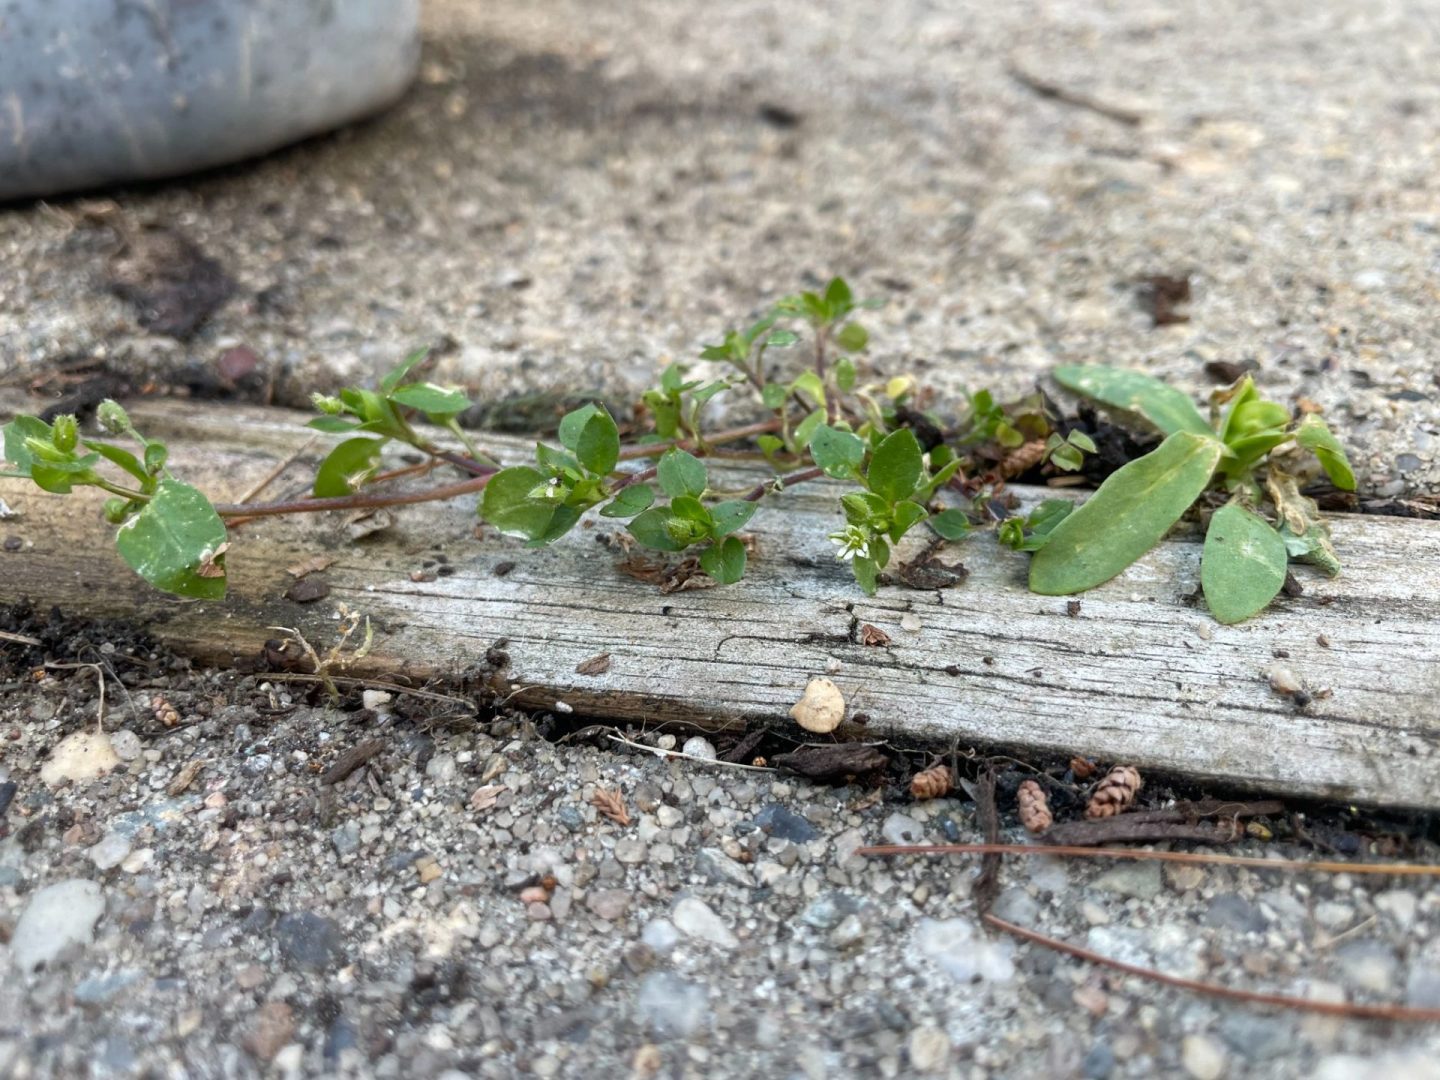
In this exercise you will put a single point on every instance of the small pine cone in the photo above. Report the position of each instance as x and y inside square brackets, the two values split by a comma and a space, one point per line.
[1083, 768]
[1115, 793]
[1034, 807]
[932, 783]
[1022, 459]
[166, 713]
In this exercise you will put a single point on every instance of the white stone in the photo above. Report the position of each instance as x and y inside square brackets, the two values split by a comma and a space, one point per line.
[110, 851]
[1202, 1057]
[79, 758]
[57, 916]
[929, 1049]
[695, 918]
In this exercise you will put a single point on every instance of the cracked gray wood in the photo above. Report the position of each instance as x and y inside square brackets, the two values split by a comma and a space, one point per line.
[1137, 675]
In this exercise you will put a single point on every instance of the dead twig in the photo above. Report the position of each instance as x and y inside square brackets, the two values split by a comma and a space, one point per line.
[351, 760]
[688, 757]
[1179, 822]
[99, 678]
[19, 639]
[1055, 92]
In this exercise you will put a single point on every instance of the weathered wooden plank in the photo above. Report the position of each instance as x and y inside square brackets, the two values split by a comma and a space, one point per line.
[1136, 675]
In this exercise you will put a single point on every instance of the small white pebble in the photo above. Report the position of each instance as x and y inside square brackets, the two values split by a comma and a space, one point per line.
[1284, 681]
[564, 707]
[376, 700]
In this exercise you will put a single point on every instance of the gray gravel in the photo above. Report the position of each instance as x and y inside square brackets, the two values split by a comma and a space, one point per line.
[576, 192]
[573, 194]
[400, 924]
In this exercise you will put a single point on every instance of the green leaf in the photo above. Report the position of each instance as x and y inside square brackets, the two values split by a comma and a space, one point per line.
[681, 473]
[649, 528]
[907, 514]
[805, 430]
[845, 374]
[774, 395]
[562, 520]
[896, 465]
[1130, 513]
[808, 384]
[1319, 440]
[951, 524]
[730, 515]
[598, 446]
[123, 458]
[396, 374]
[16, 432]
[1166, 408]
[838, 298]
[782, 339]
[333, 424]
[852, 337]
[1243, 566]
[175, 542]
[353, 458]
[573, 423]
[59, 477]
[689, 508]
[629, 502]
[705, 393]
[1254, 417]
[864, 508]
[507, 505]
[838, 452]
[866, 573]
[432, 399]
[725, 561]
[769, 444]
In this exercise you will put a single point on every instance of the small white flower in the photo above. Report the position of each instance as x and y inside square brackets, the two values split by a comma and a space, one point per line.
[854, 542]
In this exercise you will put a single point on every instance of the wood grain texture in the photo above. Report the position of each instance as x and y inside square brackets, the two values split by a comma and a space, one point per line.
[1137, 675]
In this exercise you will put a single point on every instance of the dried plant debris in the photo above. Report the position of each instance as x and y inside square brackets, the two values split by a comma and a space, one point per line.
[1115, 793]
[873, 635]
[1034, 807]
[1082, 768]
[932, 783]
[670, 577]
[838, 762]
[596, 665]
[612, 805]
[1161, 295]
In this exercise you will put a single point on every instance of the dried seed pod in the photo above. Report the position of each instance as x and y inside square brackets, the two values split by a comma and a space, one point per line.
[1022, 458]
[1114, 793]
[165, 712]
[932, 783]
[1034, 806]
[1083, 768]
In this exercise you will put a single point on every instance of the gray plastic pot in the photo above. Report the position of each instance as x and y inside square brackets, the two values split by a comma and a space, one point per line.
[94, 92]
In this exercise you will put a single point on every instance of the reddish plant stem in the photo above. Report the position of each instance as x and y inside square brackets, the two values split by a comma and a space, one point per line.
[1255, 861]
[764, 427]
[353, 502]
[482, 473]
[1350, 1010]
[757, 493]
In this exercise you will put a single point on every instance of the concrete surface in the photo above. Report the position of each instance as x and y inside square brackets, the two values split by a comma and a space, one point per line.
[576, 192]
